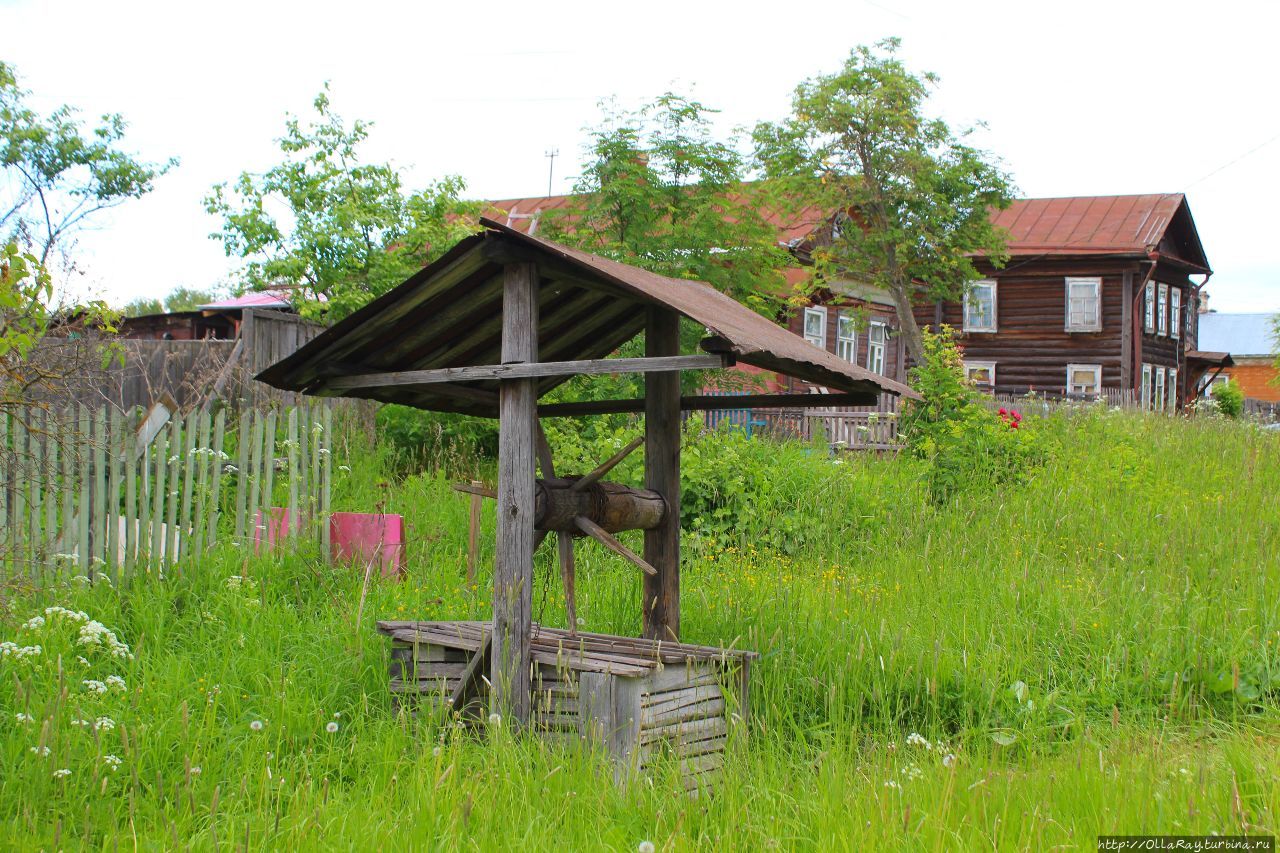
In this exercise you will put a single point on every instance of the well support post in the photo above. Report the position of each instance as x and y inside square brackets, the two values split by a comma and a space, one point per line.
[661, 604]
[513, 568]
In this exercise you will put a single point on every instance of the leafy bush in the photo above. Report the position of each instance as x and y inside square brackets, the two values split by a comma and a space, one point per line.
[1229, 398]
[966, 444]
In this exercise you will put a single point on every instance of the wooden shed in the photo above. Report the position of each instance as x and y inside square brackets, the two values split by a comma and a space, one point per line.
[498, 321]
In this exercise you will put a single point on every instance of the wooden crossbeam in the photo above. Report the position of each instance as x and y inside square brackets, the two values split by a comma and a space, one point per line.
[702, 403]
[527, 370]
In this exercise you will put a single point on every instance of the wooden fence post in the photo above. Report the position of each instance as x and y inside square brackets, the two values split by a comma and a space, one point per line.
[661, 602]
[513, 569]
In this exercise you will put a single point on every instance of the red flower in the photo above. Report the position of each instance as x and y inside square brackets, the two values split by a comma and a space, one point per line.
[1016, 416]
[1003, 411]
[1013, 425]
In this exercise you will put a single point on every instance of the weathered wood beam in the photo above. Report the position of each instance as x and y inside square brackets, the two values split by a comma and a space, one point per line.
[703, 403]
[530, 370]
[513, 568]
[660, 604]
[608, 540]
[607, 466]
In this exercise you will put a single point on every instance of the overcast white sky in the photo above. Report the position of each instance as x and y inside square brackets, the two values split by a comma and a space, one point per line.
[1081, 98]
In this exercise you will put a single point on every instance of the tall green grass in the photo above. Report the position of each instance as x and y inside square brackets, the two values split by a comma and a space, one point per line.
[1091, 652]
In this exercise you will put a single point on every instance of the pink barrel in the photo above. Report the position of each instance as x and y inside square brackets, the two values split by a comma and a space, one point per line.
[365, 538]
[267, 535]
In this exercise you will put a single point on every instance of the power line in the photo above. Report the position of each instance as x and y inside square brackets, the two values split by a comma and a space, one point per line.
[1230, 163]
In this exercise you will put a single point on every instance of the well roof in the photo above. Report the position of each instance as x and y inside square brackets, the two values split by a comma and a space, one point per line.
[450, 315]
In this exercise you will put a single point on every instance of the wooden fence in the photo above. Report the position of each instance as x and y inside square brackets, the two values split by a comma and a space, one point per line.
[843, 427]
[91, 491]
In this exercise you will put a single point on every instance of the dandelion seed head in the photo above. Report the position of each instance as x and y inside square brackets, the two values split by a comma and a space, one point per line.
[331, 727]
[495, 719]
[645, 847]
[256, 725]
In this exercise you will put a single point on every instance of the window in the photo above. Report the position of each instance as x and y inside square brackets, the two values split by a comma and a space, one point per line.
[1084, 379]
[980, 307]
[1149, 309]
[1220, 379]
[876, 336]
[815, 327]
[1162, 311]
[981, 373]
[1173, 388]
[1084, 304]
[1146, 386]
[1158, 387]
[1175, 312]
[846, 338]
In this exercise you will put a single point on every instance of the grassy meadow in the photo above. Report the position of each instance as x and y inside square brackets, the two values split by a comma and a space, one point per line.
[1094, 650]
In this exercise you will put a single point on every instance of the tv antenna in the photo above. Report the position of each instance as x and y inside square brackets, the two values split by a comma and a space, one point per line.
[551, 167]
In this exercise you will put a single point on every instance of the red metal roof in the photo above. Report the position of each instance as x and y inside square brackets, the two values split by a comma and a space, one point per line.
[254, 299]
[1088, 224]
[1082, 225]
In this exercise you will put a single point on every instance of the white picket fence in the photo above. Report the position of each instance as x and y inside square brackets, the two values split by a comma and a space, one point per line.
[93, 492]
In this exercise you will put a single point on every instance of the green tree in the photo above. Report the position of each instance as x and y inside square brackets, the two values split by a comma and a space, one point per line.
[181, 298]
[910, 200]
[661, 192]
[348, 230]
[60, 173]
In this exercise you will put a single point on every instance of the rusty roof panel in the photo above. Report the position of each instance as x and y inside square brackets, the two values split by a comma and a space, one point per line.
[1089, 224]
[449, 315]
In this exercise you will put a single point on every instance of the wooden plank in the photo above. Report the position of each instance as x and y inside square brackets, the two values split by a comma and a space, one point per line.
[176, 455]
[35, 493]
[160, 464]
[625, 735]
[527, 370]
[694, 711]
[204, 457]
[686, 731]
[595, 706]
[244, 440]
[705, 403]
[83, 439]
[655, 705]
[53, 498]
[189, 464]
[129, 513]
[293, 444]
[115, 461]
[252, 475]
[8, 476]
[608, 540]
[1126, 329]
[660, 603]
[268, 467]
[326, 473]
[470, 678]
[513, 569]
[215, 508]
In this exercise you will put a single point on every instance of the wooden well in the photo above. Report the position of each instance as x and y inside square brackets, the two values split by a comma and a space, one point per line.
[642, 701]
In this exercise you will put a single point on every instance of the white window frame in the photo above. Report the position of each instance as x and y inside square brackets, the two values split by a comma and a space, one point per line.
[1171, 396]
[1096, 325]
[1149, 309]
[968, 325]
[1162, 311]
[1220, 379]
[846, 344]
[989, 366]
[1175, 312]
[1158, 387]
[1097, 378]
[876, 349]
[819, 340]
[1147, 370]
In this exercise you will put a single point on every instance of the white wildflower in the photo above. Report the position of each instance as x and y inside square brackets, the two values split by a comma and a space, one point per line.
[113, 762]
[436, 752]
[84, 661]
[8, 649]
[104, 724]
[949, 760]
[84, 723]
[23, 718]
[917, 739]
[33, 623]
[331, 727]
[116, 682]
[344, 468]
[495, 720]
[256, 725]
[94, 686]
[892, 784]
[83, 580]
[41, 751]
[230, 469]
[195, 771]
[61, 774]
[645, 847]
[64, 613]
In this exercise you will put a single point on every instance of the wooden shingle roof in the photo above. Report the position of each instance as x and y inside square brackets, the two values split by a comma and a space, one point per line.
[449, 315]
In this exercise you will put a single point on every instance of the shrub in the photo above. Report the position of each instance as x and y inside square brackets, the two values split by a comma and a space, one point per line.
[966, 444]
[1228, 398]
[424, 440]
